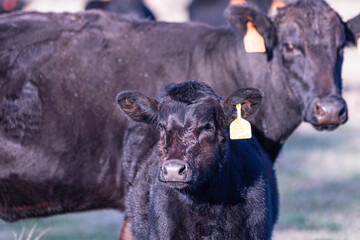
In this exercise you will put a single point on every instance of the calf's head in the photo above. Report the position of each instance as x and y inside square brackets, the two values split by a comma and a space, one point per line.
[305, 41]
[193, 125]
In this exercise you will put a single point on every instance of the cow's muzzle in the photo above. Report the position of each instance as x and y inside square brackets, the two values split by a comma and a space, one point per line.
[327, 113]
[175, 171]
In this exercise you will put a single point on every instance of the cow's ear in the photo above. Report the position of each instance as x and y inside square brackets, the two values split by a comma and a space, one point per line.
[353, 30]
[239, 15]
[138, 107]
[250, 100]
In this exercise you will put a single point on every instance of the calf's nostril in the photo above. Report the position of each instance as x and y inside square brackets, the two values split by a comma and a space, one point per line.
[319, 110]
[182, 170]
[164, 170]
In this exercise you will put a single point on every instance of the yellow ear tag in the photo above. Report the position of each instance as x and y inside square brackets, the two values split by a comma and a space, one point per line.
[278, 4]
[240, 128]
[237, 2]
[275, 5]
[358, 44]
[253, 41]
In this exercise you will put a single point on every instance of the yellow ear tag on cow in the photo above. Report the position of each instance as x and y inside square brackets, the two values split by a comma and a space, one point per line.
[240, 128]
[358, 44]
[237, 2]
[253, 41]
[275, 5]
[278, 4]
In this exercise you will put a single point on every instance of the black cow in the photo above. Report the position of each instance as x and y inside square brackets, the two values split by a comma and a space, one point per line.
[59, 137]
[135, 8]
[212, 11]
[10, 5]
[186, 178]
[207, 11]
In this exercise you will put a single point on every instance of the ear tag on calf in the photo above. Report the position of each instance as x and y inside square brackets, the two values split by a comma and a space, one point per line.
[358, 44]
[237, 2]
[253, 41]
[240, 128]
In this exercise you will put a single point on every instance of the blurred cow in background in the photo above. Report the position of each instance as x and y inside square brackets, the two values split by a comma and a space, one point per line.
[212, 11]
[10, 5]
[207, 11]
[132, 7]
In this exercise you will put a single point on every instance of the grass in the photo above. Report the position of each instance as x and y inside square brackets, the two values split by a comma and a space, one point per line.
[92, 225]
[29, 235]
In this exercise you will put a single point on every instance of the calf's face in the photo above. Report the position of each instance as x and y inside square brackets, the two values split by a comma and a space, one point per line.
[193, 125]
[191, 140]
[306, 40]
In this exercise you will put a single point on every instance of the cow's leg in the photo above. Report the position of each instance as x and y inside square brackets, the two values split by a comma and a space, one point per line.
[125, 233]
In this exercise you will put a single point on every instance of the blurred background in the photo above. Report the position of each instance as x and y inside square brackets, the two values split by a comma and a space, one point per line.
[318, 172]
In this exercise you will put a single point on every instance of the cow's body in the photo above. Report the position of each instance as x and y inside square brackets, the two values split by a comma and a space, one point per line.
[238, 200]
[65, 159]
[64, 156]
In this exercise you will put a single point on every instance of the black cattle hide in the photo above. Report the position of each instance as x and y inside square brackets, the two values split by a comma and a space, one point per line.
[231, 193]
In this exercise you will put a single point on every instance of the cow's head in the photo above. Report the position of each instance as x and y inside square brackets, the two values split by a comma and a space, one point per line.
[193, 125]
[306, 40]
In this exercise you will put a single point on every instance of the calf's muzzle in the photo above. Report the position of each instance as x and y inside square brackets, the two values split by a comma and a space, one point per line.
[175, 171]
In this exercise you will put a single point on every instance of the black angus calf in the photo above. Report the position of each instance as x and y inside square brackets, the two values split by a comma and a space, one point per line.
[186, 178]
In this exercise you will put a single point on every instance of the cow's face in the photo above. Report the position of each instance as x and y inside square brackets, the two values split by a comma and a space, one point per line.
[306, 41]
[193, 126]
[311, 41]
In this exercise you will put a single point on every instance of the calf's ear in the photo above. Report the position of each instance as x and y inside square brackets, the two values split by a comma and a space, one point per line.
[138, 107]
[250, 100]
[353, 30]
[239, 15]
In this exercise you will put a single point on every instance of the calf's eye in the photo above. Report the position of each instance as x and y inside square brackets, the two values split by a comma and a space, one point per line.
[160, 126]
[209, 127]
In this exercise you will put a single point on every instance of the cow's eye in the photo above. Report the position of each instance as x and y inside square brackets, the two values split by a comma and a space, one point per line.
[209, 127]
[160, 126]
